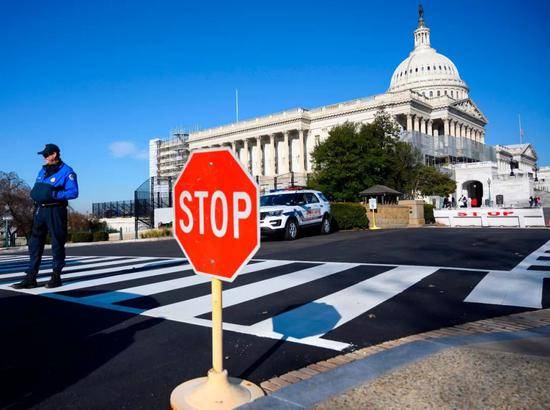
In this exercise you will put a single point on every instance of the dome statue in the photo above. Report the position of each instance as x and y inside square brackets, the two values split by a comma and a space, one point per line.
[426, 71]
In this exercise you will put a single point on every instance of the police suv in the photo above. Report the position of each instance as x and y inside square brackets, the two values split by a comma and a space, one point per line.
[287, 211]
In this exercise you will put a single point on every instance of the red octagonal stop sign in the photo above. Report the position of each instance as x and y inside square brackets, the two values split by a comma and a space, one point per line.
[216, 209]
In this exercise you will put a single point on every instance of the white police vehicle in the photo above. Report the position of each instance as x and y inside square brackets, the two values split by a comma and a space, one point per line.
[287, 211]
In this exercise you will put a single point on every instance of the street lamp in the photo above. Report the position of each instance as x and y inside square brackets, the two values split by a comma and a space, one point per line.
[535, 168]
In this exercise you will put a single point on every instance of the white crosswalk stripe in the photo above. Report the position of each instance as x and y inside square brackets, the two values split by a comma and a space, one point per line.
[120, 283]
[21, 266]
[98, 262]
[522, 286]
[158, 287]
[349, 302]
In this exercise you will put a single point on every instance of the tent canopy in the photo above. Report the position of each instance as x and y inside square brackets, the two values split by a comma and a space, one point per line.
[378, 190]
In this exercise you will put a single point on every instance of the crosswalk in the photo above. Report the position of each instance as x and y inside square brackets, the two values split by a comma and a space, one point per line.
[297, 301]
[523, 286]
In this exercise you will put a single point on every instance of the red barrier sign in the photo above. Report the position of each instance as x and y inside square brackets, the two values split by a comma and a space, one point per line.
[488, 213]
[216, 213]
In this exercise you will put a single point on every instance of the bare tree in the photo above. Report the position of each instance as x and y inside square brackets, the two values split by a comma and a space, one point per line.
[15, 200]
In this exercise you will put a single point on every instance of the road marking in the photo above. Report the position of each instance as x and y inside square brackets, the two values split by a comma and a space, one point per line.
[90, 274]
[197, 306]
[306, 324]
[159, 287]
[346, 304]
[97, 262]
[46, 262]
[522, 286]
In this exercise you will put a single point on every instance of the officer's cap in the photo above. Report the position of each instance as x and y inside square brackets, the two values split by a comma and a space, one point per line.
[49, 149]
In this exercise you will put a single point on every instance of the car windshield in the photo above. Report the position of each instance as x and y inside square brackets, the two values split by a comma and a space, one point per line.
[279, 199]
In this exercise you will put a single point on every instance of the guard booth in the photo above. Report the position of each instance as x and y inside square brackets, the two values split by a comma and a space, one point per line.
[389, 213]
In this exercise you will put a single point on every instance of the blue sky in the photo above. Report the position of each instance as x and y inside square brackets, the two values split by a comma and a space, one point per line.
[87, 75]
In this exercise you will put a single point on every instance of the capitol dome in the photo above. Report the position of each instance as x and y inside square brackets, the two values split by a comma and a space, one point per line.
[426, 71]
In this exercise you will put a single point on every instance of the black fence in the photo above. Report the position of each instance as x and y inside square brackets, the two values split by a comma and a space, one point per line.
[152, 194]
[113, 209]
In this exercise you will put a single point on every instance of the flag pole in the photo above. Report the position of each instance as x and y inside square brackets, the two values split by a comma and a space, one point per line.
[237, 104]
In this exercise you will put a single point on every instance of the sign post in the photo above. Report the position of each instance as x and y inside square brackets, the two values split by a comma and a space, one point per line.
[216, 223]
[372, 207]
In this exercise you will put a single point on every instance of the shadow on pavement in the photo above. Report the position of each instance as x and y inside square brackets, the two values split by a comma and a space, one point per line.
[299, 322]
[47, 347]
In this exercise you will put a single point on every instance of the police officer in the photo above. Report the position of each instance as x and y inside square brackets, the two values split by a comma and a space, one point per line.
[55, 185]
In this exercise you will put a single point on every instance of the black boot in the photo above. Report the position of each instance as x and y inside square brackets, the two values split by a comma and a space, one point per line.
[54, 282]
[28, 282]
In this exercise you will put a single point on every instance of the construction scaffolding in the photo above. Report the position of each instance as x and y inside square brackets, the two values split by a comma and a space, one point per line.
[170, 155]
[445, 149]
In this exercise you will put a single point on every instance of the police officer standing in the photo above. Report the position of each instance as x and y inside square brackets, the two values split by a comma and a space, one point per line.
[55, 185]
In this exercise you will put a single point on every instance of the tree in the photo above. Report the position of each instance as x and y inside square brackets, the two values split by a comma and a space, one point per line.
[79, 222]
[433, 182]
[355, 157]
[15, 201]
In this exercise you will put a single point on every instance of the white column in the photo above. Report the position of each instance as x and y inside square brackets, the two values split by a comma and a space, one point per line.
[423, 123]
[259, 155]
[430, 132]
[409, 122]
[285, 168]
[446, 126]
[246, 154]
[416, 123]
[273, 156]
[301, 152]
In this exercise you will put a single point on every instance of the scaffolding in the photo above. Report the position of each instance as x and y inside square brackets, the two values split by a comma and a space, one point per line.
[445, 149]
[172, 154]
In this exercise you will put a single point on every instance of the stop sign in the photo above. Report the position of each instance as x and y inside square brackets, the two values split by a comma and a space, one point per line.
[216, 209]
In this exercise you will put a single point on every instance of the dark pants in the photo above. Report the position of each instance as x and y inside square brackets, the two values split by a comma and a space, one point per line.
[52, 220]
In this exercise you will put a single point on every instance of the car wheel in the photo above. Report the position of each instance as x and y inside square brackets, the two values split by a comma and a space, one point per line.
[291, 230]
[326, 225]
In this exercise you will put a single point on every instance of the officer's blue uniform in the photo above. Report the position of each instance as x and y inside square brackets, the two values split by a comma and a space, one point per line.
[55, 185]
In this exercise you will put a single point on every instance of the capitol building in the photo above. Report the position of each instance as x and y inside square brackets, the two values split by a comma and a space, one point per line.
[426, 97]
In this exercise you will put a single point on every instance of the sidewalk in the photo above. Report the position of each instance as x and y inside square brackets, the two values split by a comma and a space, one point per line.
[495, 363]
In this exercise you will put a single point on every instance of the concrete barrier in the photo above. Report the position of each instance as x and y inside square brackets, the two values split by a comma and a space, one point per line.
[495, 217]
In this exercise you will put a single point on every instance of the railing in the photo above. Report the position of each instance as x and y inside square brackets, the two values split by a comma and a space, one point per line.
[113, 209]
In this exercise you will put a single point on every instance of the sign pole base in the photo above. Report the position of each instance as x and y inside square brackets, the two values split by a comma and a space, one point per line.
[373, 227]
[216, 391]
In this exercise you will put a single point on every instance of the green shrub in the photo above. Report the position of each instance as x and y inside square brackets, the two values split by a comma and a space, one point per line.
[82, 237]
[100, 236]
[156, 233]
[349, 215]
[429, 214]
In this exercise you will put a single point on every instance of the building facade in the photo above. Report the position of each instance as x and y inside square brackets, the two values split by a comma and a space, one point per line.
[427, 99]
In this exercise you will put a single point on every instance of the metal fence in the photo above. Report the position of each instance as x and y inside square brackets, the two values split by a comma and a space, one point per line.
[113, 209]
[155, 192]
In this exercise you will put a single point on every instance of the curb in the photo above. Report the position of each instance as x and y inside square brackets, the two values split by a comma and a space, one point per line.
[317, 382]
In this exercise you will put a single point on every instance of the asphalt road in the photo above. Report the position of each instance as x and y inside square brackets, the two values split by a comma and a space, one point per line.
[102, 341]
[464, 248]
